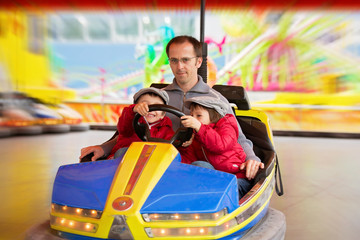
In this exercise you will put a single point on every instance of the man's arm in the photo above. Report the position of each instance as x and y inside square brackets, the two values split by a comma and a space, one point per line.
[247, 145]
[108, 146]
[99, 151]
[253, 162]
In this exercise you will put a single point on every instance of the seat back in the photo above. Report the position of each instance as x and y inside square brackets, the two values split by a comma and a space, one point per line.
[234, 94]
[256, 131]
[159, 85]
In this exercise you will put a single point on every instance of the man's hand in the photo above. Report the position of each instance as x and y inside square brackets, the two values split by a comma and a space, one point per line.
[97, 150]
[191, 122]
[251, 167]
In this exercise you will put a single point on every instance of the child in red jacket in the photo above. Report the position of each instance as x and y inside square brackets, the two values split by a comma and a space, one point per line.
[159, 124]
[214, 144]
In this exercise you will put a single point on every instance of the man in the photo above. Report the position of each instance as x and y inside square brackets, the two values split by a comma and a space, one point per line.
[184, 53]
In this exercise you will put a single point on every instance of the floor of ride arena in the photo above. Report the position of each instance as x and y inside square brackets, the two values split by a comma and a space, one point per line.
[320, 177]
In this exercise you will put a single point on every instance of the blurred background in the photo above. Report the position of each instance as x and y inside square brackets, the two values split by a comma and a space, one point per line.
[299, 62]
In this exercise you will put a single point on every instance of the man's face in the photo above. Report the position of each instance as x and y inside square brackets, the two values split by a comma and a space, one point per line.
[184, 72]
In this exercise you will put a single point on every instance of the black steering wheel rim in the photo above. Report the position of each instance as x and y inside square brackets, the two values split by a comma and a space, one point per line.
[181, 135]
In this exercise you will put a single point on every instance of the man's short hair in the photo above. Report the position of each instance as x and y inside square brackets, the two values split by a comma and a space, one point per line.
[184, 38]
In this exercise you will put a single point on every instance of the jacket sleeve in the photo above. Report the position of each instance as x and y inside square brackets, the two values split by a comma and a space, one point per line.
[217, 140]
[230, 164]
[108, 146]
[187, 154]
[221, 146]
[247, 146]
[124, 126]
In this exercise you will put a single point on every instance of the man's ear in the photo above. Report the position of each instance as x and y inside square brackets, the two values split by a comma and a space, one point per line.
[199, 62]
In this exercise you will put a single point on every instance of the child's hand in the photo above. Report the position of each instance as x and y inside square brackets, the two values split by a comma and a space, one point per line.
[188, 143]
[191, 122]
[97, 150]
[141, 108]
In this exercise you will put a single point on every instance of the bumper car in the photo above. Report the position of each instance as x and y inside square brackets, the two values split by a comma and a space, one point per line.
[58, 117]
[71, 118]
[16, 119]
[49, 119]
[24, 115]
[150, 194]
[4, 131]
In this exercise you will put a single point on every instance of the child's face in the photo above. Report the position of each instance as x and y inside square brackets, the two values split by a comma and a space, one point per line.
[201, 114]
[154, 116]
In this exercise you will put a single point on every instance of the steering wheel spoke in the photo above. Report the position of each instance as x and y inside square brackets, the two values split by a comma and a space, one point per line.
[180, 136]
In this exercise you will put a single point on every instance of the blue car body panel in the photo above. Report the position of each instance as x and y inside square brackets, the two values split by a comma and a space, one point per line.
[84, 185]
[176, 191]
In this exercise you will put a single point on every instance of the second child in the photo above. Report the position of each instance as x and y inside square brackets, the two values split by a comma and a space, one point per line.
[214, 144]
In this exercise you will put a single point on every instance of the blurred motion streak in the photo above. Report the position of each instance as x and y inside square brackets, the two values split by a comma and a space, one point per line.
[300, 65]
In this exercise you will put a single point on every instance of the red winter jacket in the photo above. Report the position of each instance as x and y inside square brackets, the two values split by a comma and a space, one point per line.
[160, 129]
[217, 144]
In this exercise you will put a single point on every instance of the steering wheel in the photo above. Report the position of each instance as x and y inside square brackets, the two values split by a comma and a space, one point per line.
[180, 136]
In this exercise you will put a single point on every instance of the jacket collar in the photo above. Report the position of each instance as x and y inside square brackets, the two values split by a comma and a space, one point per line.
[200, 86]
